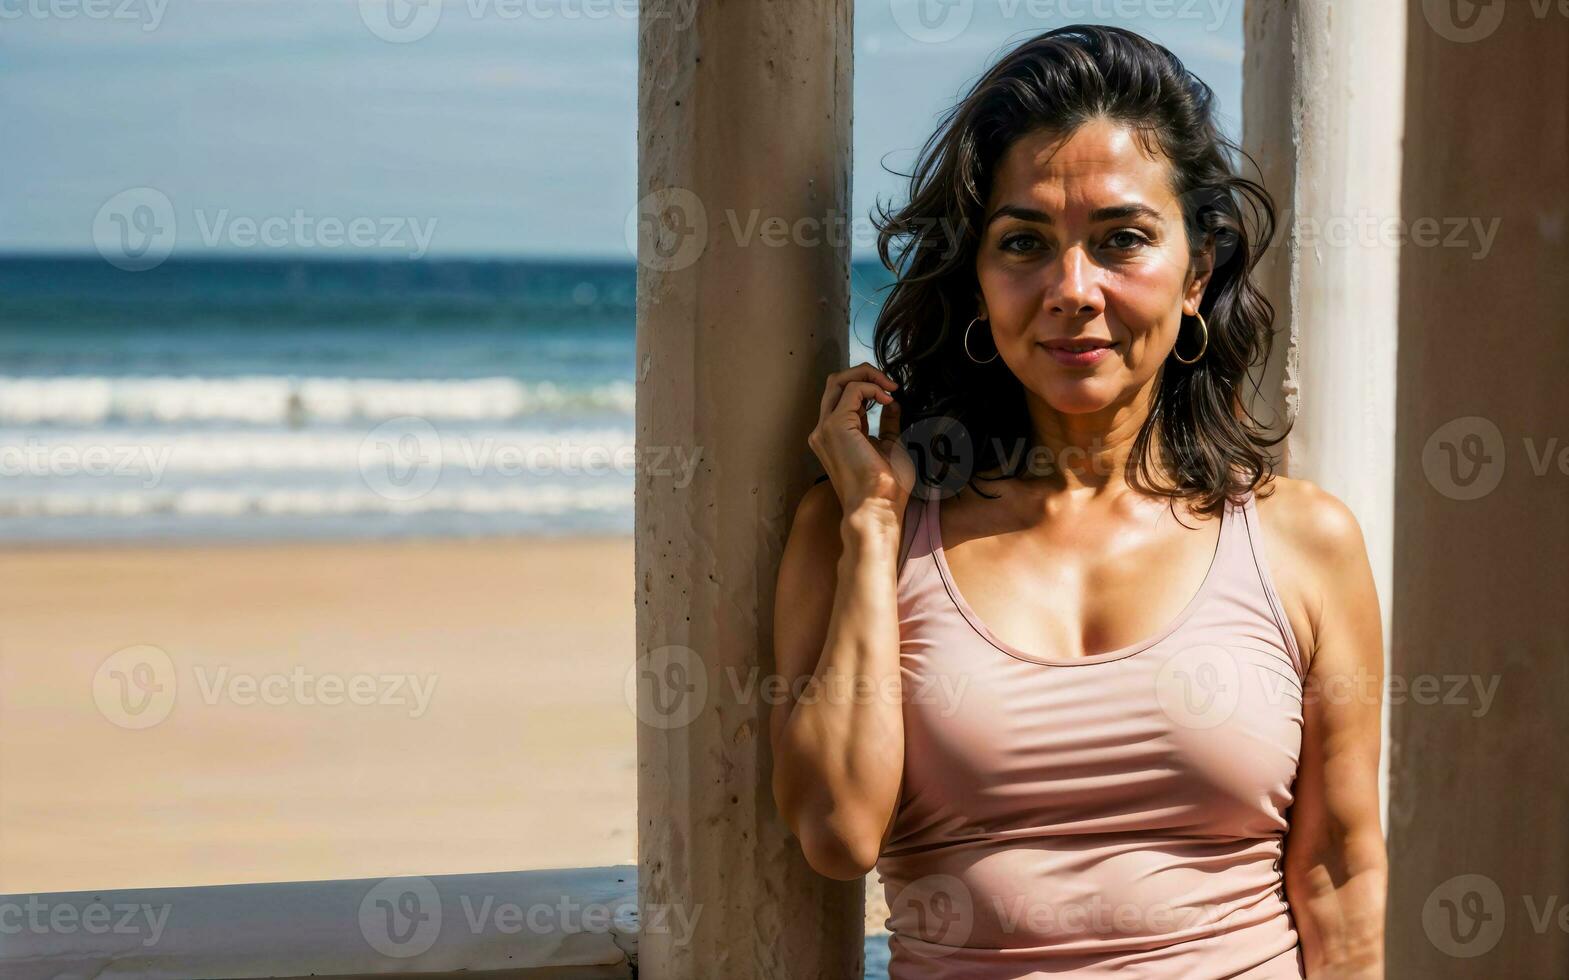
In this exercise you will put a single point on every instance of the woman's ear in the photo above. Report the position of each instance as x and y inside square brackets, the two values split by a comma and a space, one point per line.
[1203, 267]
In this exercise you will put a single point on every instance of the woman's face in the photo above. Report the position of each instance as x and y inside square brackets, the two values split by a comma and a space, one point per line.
[1084, 246]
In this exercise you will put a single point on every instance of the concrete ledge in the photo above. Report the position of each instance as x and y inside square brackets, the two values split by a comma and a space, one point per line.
[575, 924]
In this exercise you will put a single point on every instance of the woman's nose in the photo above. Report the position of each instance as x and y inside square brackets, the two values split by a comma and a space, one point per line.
[1075, 286]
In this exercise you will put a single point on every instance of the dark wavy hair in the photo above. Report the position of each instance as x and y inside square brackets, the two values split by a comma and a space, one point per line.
[1210, 444]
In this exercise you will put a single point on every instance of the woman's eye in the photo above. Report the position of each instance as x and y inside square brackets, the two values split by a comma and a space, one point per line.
[1126, 239]
[1018, 243]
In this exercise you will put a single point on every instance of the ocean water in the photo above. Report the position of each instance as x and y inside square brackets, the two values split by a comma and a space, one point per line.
[296, 398]
[876, 956]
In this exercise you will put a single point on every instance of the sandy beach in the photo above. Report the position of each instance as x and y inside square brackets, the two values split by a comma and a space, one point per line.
[490, 733]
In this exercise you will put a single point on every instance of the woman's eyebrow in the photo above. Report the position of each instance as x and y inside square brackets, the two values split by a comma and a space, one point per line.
[1111, 213]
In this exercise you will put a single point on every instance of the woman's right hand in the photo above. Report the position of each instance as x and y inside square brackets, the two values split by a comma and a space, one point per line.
[864, 471]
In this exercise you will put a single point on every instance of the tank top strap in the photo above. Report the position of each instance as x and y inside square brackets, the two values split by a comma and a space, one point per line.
[1231, 546]
[914, 510]
[1249, 534]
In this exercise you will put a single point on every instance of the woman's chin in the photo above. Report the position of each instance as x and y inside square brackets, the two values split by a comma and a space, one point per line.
[1080, 397]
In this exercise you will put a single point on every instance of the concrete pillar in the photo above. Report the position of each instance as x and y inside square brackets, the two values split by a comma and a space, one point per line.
[1323, 110]
[1479, 815]
[743, 299]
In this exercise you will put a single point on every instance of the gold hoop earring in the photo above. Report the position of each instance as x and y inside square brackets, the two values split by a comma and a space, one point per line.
[967, 344]
[1203, 345]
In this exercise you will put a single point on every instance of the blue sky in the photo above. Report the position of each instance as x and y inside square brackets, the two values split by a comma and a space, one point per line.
[508, 127]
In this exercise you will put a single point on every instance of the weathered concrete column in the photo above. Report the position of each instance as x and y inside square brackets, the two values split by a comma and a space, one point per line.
[743, 293]
[1323, 110]
[1479, 813]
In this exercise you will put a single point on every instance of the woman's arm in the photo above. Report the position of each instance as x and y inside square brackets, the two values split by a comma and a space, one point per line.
[1336, 870]
[839, 749]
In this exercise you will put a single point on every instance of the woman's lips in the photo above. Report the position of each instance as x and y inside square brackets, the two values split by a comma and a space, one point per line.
[1085, 353]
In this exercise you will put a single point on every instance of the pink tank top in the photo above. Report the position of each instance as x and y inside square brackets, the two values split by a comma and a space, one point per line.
[1117, 814]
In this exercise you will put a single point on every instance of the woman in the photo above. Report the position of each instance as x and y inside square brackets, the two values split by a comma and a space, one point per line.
[1115, 747]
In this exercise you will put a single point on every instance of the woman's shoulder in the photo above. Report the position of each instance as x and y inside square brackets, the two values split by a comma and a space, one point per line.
[1313, 546]
[1307, 520]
